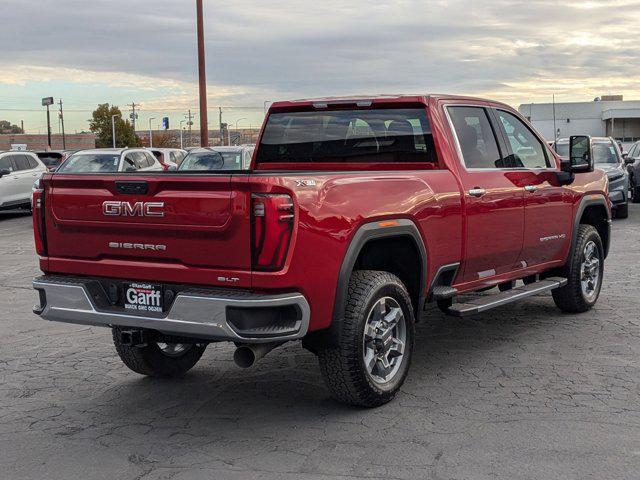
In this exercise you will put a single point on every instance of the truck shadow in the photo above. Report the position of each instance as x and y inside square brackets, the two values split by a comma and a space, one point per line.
[286, 386]
[10, 214]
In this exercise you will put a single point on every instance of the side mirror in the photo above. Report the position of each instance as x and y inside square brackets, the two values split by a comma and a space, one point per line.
[628, 160]
[4, 172]
[580, 155]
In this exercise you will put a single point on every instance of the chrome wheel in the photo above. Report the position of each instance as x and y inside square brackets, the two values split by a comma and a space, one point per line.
[590, 271]
[385, 336]
[173, 349]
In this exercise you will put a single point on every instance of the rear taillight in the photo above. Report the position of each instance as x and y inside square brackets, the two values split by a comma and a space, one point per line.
[272, 224]
[38, 222]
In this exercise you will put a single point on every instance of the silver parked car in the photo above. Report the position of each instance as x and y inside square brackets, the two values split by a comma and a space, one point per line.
[608, 158]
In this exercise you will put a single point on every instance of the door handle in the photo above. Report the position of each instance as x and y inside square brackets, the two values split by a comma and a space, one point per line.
[531, 188]
[477, 192]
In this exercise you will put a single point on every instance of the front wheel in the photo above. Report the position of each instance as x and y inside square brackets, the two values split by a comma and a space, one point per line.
[369, 360]
[584, 271]
[157, 359]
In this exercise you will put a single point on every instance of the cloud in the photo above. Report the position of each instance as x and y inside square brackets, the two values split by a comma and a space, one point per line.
[514, 50]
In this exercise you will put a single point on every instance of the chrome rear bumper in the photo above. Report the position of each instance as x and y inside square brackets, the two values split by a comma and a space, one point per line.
[193, 313]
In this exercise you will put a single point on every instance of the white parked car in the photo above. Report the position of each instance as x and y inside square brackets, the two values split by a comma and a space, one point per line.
[170, 158]
[111, 160]
[236, 158]
[18, 171]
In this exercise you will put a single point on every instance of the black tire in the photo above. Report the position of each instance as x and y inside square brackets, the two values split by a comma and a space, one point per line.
[622, 211]
[506, 286]
[635, 197]
[342, 364]
[150, 360]
[571, 298]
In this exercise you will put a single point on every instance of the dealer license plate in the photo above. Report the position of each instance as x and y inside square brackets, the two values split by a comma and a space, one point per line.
[143, 297]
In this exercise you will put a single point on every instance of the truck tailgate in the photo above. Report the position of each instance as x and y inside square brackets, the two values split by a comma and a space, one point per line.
[178, 220]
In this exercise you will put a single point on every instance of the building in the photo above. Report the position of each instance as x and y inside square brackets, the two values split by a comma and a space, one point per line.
[607, 116]
[73, 141]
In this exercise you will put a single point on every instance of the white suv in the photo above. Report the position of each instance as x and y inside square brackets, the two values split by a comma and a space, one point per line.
[18, 171]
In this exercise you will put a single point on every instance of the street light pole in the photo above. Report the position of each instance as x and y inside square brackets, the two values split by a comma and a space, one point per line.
[151, 133]
[113, 129]
[181, 134]
[238, 120]
[204, 125]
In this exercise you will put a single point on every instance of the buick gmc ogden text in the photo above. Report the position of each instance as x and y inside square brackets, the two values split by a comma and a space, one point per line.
[355, 214]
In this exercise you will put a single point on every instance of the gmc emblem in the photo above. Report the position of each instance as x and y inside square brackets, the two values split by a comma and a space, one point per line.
[137, 209]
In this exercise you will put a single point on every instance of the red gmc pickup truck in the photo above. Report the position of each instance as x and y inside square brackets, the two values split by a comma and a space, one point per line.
[356, 214]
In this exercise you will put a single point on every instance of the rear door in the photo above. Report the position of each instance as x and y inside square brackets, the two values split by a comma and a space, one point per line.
[25, 173]
[9, 186]
[494, 200]
[548, 205]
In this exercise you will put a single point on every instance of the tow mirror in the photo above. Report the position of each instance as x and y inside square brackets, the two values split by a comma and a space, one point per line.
[4, 172]
[580, 155]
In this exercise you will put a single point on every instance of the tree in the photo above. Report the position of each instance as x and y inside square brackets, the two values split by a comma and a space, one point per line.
[100, 124]
[7, 127]
[164, 139]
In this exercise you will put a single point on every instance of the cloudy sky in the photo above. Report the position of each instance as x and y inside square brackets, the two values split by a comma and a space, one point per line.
[116, 51]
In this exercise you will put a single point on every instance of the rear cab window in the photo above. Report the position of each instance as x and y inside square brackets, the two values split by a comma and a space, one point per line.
[361, 136]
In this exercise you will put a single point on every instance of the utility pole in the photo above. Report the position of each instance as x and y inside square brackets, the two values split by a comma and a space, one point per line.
[189, 123]
[133, 115]
[64, 140]
[204, 126]
[22, 126]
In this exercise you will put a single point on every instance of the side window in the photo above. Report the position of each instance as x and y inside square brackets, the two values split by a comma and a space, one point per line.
[129, 163]
[21, 162]
[151, 161]
[476, 138]
[173, 157]
[143, 160]
[6, 164]
[527, 150]
[634, 151]
[32, 162]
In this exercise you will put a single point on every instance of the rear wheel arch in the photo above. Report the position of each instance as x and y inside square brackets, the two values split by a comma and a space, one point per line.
[398, 249]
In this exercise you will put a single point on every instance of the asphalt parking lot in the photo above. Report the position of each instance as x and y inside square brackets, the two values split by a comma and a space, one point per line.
[522, 392]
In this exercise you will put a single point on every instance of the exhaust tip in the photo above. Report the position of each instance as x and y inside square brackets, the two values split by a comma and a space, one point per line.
[244, 357]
